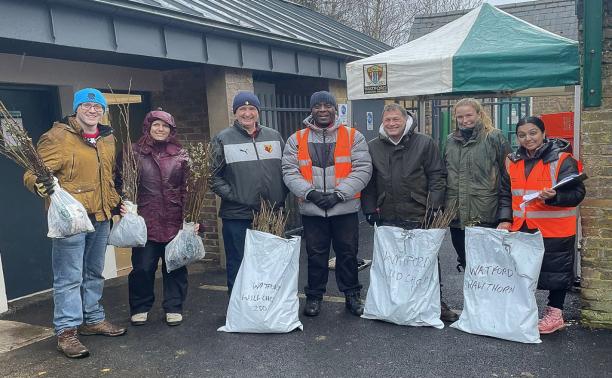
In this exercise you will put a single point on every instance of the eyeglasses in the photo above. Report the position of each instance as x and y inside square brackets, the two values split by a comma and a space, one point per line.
[90, 105]
[323, 106]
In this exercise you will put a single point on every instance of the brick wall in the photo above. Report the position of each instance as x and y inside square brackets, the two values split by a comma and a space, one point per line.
[236, 81]
[596, 210]
[552, 104]
[184, 96]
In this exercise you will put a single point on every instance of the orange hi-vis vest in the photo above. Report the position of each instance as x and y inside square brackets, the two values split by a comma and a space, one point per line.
[342, 154]
[552, 221]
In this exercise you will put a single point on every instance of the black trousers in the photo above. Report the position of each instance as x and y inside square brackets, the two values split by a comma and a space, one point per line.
[341, 231]
[234, 236]
[458, 239]
[141, 280]
[556, 298]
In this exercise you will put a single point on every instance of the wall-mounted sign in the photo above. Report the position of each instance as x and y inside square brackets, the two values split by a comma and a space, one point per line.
[375, 78]
[369, 121]
[4, 124]
[343, 113]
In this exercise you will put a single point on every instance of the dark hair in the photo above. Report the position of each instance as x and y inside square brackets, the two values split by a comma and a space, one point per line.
[535, 120]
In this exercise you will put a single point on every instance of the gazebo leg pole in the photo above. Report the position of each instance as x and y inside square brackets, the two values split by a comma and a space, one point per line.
[577, 110]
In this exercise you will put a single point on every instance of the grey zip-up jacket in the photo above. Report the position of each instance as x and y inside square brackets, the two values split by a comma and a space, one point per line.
[321, 147]
[247, 169]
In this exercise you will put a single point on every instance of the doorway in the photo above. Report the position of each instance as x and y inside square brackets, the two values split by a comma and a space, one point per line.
[25, 248]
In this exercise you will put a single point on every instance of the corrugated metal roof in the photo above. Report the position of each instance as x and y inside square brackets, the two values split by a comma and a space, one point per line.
[556, 16]
[269, 19]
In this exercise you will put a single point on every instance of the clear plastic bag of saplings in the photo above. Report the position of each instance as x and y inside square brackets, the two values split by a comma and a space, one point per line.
[131, 230]
[66, 216]
[185, 248]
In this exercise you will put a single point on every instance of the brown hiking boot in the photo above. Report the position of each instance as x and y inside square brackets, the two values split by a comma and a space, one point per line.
[69, 344]
[103, 328]
[446, 314]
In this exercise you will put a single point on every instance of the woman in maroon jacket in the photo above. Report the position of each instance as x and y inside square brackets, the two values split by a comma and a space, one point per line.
[163, 173]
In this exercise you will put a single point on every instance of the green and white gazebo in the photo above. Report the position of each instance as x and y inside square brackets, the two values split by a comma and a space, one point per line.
[485, 51]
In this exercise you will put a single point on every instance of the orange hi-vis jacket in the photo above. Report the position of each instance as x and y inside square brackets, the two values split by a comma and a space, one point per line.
[552, 221]
[342, 154]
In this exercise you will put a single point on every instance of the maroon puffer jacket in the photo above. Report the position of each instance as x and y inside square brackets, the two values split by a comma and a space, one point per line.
[162, 188]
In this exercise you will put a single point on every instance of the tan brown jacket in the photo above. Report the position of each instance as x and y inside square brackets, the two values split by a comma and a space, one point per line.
[82, 170]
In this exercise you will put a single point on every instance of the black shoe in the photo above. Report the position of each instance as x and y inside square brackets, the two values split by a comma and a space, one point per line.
[313, 307]
[446, 314]
[362, 264]
[354, 304]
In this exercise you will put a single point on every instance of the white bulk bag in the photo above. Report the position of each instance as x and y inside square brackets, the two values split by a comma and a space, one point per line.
[500, 281]
[404, 282]
[264, 297]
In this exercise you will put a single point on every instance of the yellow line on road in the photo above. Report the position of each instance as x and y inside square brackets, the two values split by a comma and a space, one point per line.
[326, 298]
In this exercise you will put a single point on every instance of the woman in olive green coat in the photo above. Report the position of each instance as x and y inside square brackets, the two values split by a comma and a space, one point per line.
[474, 157]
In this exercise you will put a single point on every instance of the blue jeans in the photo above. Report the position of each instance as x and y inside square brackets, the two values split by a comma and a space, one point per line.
[234, 235]
[78, 262]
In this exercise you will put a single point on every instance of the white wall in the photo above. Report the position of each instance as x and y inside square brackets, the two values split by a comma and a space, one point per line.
[3, 301]
[110, 263]
[71, 75]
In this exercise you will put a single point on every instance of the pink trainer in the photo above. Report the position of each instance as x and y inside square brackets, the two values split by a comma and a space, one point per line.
[552, 321]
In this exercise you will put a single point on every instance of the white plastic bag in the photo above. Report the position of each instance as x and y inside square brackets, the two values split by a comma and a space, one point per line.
[404, 282]
[130, 230]
[500, 280]
[264, 298]
[185, 248]
[66, 216]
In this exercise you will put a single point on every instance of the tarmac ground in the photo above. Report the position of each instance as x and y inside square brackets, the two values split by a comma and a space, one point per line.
[334, 344]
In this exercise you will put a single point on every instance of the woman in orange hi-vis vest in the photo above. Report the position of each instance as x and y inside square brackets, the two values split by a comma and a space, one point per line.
[537, 166]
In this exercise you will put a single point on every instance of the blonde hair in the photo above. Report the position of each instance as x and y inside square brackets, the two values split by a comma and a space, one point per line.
[476, 105]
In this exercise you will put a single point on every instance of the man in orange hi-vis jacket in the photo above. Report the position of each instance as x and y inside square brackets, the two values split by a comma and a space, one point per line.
[326, 165]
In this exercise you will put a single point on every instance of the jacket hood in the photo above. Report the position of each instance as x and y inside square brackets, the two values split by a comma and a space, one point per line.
[411, 125]
[308, 122]
[70, 124]
[147, 143]
[548, 151]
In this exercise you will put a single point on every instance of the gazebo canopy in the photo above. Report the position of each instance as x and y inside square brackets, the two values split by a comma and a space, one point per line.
[485, 51]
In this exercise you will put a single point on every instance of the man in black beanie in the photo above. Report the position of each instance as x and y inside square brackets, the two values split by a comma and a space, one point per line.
[326, 165]
[246, 169]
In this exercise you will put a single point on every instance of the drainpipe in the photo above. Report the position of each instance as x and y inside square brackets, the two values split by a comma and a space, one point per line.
[593, 43]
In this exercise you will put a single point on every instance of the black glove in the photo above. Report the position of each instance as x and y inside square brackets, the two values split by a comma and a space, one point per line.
[372, 218]
[44, 186]
[330, 200]
[317, 198]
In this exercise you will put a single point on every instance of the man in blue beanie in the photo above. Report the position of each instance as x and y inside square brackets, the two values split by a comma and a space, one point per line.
[326, 165]
[247, 169]
[80, 152]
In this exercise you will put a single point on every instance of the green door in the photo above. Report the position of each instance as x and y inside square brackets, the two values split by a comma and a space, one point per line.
[509, 111]
[445, 127]
[25, 248]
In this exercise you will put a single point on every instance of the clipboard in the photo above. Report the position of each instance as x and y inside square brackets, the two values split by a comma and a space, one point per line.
[568, 180]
